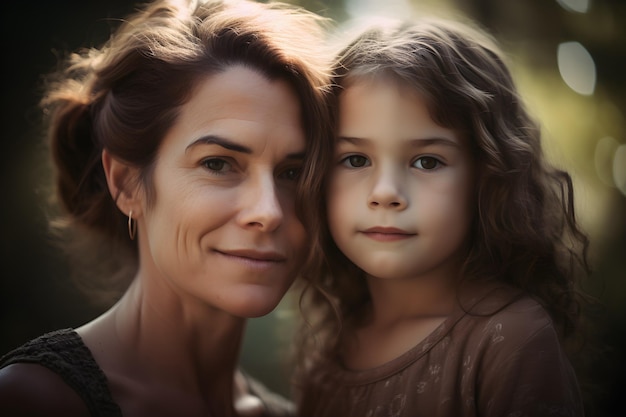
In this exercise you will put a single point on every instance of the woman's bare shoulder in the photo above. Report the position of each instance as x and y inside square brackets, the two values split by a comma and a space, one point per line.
[34, 390]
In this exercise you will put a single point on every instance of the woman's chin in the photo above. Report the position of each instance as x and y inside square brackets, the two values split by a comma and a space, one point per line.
[256, 304]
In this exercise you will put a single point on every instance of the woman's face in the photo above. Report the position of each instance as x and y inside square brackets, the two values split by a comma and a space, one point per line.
[222, 230]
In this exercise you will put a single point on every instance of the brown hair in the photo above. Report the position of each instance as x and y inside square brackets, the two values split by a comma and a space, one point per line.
[524, 229]
[124, 97]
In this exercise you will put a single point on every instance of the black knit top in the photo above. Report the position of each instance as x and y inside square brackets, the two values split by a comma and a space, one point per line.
[63, 352]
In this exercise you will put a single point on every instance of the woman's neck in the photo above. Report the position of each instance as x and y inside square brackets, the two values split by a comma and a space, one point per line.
[154, 338]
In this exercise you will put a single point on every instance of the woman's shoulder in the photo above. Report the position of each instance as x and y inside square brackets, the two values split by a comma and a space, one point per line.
[34, 390]
[55, 370]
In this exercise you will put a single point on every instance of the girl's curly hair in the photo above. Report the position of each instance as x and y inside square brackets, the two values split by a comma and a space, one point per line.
[524, 229]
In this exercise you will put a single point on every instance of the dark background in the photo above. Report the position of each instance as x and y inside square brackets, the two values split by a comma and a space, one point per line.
[36, 294]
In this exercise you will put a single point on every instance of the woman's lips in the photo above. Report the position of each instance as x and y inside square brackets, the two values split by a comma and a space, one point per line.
[253, 258]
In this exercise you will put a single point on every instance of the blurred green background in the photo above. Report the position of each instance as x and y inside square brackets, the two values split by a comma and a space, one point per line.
[568, 56]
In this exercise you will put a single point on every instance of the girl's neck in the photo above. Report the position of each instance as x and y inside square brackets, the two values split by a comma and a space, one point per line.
[403, 313]
[401, 299]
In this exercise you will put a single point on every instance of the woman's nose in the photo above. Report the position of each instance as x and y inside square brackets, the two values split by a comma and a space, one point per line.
[262, 208]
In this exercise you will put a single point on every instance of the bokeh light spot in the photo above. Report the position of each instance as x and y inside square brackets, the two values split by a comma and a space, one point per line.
[576, 67]
[396, 9]
[578, 6]
[619, 168]
[603, 159]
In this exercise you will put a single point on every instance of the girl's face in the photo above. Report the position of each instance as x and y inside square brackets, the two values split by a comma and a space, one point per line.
[223, 230]
[400, 195]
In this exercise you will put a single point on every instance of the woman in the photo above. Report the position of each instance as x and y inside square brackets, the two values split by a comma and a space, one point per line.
[186, 144]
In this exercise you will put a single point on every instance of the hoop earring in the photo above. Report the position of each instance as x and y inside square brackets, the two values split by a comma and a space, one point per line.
[132, 226]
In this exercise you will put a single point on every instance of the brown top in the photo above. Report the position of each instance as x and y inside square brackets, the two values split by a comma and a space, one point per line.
[499, 356]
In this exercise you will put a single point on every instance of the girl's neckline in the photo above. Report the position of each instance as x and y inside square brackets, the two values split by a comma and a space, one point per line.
[477, 300]
[361, 376]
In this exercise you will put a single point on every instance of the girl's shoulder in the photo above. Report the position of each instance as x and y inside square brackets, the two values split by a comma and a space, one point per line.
[501, 301]
[506, 318]
[511, 337]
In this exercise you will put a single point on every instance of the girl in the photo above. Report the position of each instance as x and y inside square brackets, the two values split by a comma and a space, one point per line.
[184, 146]
[452, 249]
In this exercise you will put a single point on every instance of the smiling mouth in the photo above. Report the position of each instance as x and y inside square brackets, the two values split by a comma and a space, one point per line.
[253, 256]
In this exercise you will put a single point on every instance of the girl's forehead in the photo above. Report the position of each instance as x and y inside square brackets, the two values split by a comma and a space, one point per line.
[392, 79]
[450, 106]
[392, 83]
[375, 95]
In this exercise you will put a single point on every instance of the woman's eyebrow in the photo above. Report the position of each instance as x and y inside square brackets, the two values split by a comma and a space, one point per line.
[220, 141]
[232, 146]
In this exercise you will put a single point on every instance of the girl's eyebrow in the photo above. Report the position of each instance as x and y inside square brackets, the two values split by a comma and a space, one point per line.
[435, 141]
[413, 142]
[232, 146]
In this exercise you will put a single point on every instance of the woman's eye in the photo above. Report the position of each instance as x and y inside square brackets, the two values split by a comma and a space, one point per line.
[291, 174]
[355, 161]
[217, 164]
[427, 163]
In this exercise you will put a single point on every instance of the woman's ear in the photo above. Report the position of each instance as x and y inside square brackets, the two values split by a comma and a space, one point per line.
[123, 182]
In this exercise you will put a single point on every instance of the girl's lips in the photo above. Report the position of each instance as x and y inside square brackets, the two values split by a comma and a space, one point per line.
[387, 234]
[390, 230]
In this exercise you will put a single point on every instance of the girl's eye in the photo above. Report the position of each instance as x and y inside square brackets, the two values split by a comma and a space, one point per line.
[217, 165]
[427, 163]
[355, 161]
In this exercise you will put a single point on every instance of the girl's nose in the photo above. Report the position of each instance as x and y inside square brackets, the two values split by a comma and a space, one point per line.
[387, 192]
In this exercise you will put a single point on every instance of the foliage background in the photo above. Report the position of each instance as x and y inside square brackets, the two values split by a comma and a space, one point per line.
[582, 134]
